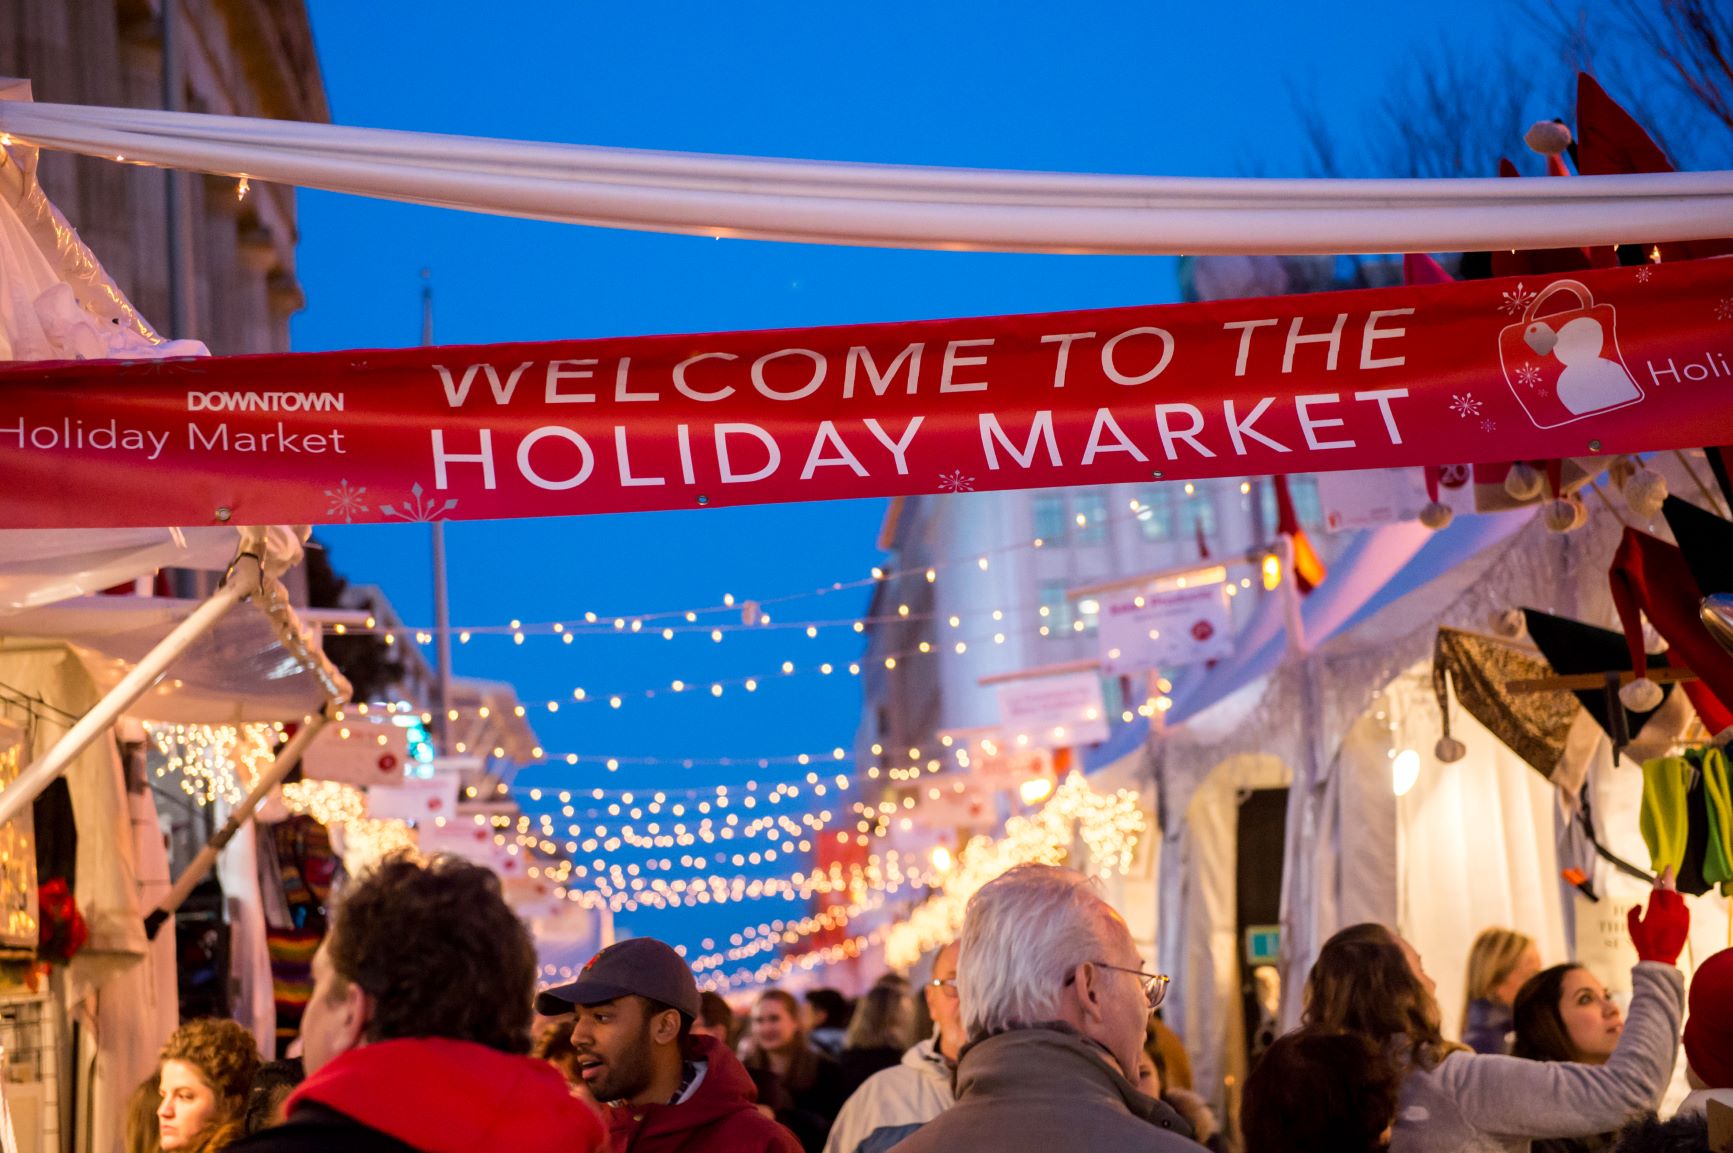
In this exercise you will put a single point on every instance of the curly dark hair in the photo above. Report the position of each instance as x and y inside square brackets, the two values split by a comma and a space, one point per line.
[1316, 1092]
[439, 952]
[225, 1055]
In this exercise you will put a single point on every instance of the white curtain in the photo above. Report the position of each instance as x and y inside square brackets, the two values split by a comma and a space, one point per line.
[1476, 850]
[895, 205]
[249, 951]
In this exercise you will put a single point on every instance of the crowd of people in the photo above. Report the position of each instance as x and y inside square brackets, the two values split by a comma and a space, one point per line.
[1037, 1030]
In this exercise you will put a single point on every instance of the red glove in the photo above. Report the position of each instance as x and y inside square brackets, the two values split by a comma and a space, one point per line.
[1660, 936]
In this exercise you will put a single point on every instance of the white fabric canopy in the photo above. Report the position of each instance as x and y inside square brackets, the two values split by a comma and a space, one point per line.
[239, 671]
[41, 566]
[897, 205]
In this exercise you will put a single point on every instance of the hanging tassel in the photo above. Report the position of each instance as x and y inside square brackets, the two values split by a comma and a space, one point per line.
[1563, 513]
[1436, 514]
[1645, 493]
[1523, 482]
[1641, 695]
[1448, 750]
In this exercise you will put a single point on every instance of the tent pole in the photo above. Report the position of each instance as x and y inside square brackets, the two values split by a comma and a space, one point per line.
[286, 760]
[242, 580]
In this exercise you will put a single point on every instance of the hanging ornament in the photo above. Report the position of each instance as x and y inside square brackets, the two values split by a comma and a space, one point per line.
[1565, 513]
[1509, 623]
[1641, 695]
[1523, 482]
[1646, 492]
[1548, 137]
[1435, 515]
[1621, 470]
[1449, 750]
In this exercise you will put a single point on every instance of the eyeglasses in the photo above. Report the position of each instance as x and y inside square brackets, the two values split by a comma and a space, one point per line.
[1154, 984]
[949, 983]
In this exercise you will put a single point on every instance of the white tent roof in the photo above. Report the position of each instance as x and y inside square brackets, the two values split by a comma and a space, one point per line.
[41, 566]
[239, 671]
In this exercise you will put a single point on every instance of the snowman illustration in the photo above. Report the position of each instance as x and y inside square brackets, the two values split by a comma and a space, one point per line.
[1589, 382]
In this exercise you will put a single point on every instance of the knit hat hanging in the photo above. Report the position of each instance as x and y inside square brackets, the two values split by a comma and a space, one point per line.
[1436, 514]
[1718, 805]
[1663, 819]
[1572, 647]
[1649, 577]
[1534, 726]
[1565, 512]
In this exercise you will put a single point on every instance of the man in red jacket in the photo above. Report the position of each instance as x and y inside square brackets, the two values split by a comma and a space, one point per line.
[667, 1090]
[417, 1034]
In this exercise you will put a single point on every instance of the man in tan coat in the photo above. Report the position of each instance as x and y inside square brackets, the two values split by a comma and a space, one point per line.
[1054, 1002]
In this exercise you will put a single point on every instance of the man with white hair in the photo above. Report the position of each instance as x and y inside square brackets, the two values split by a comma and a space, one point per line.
[895, 1102]
[1054, 1004]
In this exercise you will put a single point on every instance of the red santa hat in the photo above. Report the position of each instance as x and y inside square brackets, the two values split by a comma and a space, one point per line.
[1649, 577]
[1610, 142]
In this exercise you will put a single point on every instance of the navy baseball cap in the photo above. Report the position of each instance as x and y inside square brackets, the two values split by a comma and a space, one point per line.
[638, 966]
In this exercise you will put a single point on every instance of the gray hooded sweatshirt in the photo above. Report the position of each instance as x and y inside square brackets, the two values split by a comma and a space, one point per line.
[1476, 1103]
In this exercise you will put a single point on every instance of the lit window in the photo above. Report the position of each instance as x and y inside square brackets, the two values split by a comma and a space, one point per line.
[1057, 616]
[1047, 510]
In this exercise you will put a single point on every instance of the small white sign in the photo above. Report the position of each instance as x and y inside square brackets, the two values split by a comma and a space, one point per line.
[1168, 630]
[370, 754]
[472, 842]
[417, 800]
[1054, 712]
[1372, 497]
[947, 803]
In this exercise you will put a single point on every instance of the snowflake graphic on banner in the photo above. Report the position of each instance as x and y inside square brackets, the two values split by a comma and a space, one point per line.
[1724, 310]
[1644, 274]
[1516, 300]
[1464, 405]
[1528, 376]
[420, 511]
[346, 501]
[956, 482]
[1488, 425]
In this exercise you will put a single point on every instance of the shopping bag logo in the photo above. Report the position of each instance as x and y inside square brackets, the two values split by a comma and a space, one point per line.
[1566, 365]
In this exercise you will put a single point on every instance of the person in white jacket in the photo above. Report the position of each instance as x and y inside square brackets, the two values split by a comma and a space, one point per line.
[895, 1101]
[1369, 981]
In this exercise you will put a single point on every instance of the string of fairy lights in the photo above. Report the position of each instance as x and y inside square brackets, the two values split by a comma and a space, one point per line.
[670, 623]
[1108, 826]
[996, 634]
[692, 834]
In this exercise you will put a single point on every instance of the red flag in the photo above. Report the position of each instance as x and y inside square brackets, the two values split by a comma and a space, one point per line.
[1309, 570]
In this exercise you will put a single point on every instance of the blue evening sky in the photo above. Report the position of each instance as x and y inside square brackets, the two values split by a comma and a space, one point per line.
[1159, 88]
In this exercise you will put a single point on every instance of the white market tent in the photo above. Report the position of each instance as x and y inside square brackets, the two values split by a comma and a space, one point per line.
[1485, 826]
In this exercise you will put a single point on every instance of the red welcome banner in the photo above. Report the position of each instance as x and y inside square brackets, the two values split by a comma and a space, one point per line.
[1620, 360]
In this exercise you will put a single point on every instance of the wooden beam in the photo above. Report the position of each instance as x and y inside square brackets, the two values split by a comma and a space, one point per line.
[1581, 681]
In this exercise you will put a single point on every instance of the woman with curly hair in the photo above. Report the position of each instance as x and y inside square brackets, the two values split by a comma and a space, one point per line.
[206, 1071]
